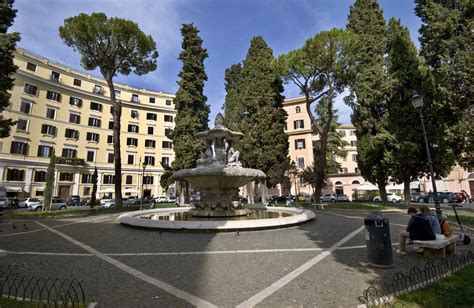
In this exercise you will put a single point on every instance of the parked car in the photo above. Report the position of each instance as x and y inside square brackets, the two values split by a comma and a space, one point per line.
[4, 202]
[56, 204]
[195, 198]
[343, 198]
[415, 196]
[29, 201]
[132, 200]
[73, 200]
[282, 199]
[161, 199]
[13, 203]
[445, 197]
[329, 198]
[85, 201]
[391, 197]
[107, 202]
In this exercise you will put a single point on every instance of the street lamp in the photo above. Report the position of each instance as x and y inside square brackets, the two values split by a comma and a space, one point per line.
[418, 104]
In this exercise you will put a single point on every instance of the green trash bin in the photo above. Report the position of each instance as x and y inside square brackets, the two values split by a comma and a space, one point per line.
[378, 241]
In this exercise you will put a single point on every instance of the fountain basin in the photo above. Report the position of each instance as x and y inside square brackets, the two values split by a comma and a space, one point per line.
[281, 217]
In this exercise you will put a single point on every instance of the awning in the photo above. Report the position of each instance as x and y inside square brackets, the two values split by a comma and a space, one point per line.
[39, 188]
[107, 191]
[130, 190]
[367, 186]
[13, 189]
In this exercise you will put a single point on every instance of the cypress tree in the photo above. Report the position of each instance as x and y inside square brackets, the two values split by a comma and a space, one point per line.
[265, 144]
[190, 102]
[233, 106]
[49, 186]
[368, 90]
[7, 68]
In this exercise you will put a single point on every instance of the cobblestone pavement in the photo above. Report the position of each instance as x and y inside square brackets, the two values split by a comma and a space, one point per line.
[320, 263]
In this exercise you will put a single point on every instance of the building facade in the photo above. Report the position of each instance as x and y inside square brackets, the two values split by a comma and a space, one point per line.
[349, 179]
[70, 111]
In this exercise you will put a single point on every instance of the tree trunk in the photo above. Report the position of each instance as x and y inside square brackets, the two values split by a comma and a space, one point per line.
[116, 115]
[406, 192]
[381, 183]
[321, 166]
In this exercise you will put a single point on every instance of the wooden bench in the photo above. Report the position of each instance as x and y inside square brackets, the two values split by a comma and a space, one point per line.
[437, 249]
[320, 206]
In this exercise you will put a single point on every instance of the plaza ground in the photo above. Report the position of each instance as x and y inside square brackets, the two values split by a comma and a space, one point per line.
[319, 263]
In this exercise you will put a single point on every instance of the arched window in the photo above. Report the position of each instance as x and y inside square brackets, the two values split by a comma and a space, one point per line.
[15, 175]
[40, 176]
[355, 182]
[339, 183]
[298, 109]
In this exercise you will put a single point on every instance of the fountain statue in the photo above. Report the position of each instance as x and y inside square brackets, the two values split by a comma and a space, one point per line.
[218, 174]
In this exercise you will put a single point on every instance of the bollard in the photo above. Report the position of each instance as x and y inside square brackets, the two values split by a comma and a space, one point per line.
[378, 241]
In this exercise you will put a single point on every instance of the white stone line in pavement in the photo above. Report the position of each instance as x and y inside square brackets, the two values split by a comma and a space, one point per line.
[196, 301]
[78, 222]
[62, 254]
[218, 252]
[21, 233]
[277, 285]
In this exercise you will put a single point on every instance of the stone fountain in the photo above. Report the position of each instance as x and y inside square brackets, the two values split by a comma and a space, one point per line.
[218, 174]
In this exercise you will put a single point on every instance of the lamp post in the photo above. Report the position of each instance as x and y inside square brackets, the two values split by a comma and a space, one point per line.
[418, 104]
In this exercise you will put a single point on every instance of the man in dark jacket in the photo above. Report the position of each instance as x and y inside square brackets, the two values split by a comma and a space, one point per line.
[419, 228]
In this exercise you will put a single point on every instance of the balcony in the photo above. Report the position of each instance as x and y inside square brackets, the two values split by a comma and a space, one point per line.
[73, 161]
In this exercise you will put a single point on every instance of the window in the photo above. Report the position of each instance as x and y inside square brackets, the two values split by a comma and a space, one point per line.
[151, 116]
[117, 93]
[77, 82]
[286, 126]
[132, 128]
[165, 161]
[65, 176]
[30, 89]
[44, 150]
[134, 114]
[55, 76]
[300, 161]
[110, 139]
[111, 124]
[298, 109]
[152, 100]
[298, 124]
[98, 89]
[40, 176]
[353, 143]
[31, 66]
[111, 109]
[74, 101]
[149, 160]
[25, 107]
[132, 142]
[150, 130]
[69, 153]
[72, 134]
[135, 98]
[128, 179]
[355, 182]
[168, 103]
[51, 113]
[86, 178]
[168, 118]
[168, 132]
[345, 170]
[15, 175]
[353, 133]
[18, 147]
[95, 122]
[130, 159]
[92, 137]
[344, 158]
[300, 144]
[87, 191]
[148, 179]
[90, 155]
[48, 130]
[341, 133]
[54, 96]
[167, 145]
[356, 170]
[96, 106]
[110, 157]
[354, 157]
[150, 143]
[22, 125]
[109, 179]
[74, 118]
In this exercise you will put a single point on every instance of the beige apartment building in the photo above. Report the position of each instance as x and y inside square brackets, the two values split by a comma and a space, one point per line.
[349, 178]
[70, 111]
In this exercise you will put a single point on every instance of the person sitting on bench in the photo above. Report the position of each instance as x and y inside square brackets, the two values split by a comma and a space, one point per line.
[418, 228]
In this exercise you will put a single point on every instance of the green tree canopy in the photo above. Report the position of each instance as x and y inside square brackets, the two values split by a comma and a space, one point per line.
[114, 46]
[7, 68]
[319, 69]
[190, 101]
[233, 106]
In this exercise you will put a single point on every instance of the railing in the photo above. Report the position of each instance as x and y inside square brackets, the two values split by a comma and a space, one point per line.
[385, 293]
[48, 292]
[70, 161]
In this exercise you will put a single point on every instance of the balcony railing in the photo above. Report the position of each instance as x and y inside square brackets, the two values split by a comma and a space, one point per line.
[70, 161]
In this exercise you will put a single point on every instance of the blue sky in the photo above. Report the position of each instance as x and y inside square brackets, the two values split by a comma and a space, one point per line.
[225, 26]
